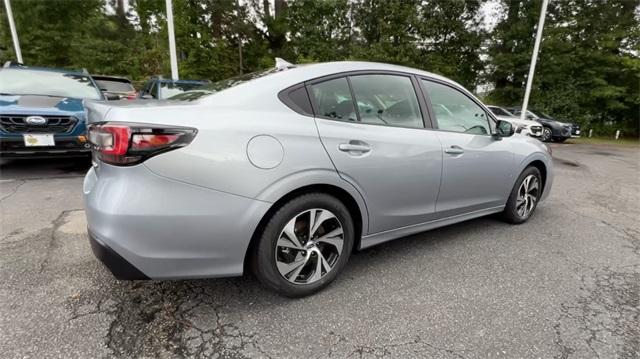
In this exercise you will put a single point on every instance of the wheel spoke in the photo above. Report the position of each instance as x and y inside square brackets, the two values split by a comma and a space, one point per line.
[324, 262]
[333, 239]
[317, 274]
[292, 270]
[289, 231]
[284, 241]
[533, 185]
[318, 218]
[525, 184]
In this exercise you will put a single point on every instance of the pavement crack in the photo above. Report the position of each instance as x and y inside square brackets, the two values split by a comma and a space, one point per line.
[13, 191]
[52, 245]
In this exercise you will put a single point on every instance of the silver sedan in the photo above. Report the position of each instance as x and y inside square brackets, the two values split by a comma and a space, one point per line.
[285, 172]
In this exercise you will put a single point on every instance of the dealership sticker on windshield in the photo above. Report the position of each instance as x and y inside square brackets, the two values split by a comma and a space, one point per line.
[33, 140]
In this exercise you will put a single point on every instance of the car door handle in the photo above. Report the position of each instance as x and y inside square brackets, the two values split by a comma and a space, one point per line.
[352, 147]
[454, 150]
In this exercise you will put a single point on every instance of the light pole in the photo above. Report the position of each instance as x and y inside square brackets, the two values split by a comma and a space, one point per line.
[14, 33]
[534, 58]
[172, 41]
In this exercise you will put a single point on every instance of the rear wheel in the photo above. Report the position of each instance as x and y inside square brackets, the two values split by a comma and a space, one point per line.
[305, 245]
[524, 196]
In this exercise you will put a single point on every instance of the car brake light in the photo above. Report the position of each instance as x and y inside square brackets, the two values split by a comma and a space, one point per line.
[126, 144]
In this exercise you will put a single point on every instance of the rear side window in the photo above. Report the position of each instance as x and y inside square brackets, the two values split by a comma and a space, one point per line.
[297, 99]
[387, 100]
[333, 100]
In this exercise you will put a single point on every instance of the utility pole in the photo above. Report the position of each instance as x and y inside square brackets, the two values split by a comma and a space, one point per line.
[172, 41]
[14, 33]
[534, 59]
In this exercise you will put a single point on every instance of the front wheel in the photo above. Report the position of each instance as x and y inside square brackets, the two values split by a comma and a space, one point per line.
[547, 134]
[305, 245]
[524, 196]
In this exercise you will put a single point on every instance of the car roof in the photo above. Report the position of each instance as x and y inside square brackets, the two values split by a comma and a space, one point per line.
[17, 66]
[327, 68]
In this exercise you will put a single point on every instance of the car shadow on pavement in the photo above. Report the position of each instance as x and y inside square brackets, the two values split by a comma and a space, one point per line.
[39, 168]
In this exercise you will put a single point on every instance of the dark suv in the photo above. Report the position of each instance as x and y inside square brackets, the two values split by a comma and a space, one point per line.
[552, 130]
[42, 112]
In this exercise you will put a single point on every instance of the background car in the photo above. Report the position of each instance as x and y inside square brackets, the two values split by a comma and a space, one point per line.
[528, 127]
[552, 130]
[115, 88]
[42, 112]
[287, 171]
[160, 88]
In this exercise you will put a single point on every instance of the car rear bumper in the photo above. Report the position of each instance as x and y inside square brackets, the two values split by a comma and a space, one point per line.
[119, 267]
[166, 229]
[65, 146]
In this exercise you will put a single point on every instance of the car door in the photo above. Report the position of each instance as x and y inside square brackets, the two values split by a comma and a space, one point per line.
[476, 166]
[372, 126]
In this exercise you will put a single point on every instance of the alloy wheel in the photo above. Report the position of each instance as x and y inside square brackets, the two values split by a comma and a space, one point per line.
[309, 246]
[527, 196]
[546, 134]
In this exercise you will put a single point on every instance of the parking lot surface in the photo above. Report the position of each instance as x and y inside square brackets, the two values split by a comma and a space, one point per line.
[565, 284]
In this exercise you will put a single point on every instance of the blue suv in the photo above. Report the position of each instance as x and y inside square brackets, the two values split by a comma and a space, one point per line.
[42, 112]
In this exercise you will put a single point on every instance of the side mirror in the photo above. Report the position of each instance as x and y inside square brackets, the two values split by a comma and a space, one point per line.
[504, 129]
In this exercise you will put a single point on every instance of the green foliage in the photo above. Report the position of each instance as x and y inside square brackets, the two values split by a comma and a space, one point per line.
[588, 70]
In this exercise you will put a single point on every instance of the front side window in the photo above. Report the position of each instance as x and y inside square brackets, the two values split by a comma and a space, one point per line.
[387, 100]
[455, 111]
[333, 100]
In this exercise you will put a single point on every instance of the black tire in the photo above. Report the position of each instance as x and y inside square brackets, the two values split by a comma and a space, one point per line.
[264, 264]
[510, 213]
[547, 134]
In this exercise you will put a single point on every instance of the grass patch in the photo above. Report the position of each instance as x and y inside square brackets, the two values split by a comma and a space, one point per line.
[605, 141]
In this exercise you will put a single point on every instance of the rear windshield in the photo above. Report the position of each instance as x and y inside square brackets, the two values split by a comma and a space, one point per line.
[210, 89]
[115, 85]
[47, 83]
[170, 89]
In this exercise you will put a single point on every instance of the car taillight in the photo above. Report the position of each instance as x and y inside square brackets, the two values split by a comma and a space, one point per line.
[126, 144]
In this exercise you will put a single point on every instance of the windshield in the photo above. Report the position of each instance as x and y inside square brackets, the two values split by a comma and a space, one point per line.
[170, 89]
[47, 83]
[114, 85]
[212, 88]
[499, 112]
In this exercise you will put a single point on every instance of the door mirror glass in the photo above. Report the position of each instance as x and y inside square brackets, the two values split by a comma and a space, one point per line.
[504, 128]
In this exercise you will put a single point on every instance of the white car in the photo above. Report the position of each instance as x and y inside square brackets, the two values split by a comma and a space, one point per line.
[526, 127]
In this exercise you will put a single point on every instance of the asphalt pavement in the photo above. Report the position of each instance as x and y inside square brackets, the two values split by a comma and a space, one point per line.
[566, 284]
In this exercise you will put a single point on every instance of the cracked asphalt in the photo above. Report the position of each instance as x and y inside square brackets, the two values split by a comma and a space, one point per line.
[564, 285]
